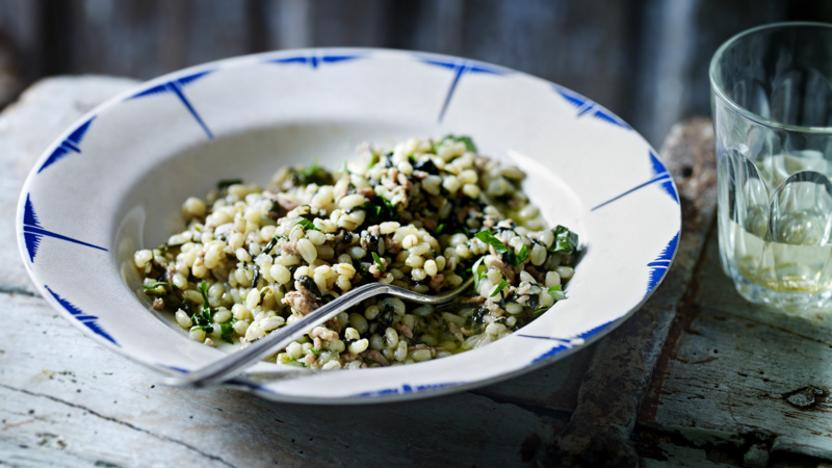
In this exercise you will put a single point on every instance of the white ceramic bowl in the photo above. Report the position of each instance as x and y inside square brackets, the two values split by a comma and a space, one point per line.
[115, 181]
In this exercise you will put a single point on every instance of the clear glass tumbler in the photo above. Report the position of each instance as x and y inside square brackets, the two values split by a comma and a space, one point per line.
[771, 93]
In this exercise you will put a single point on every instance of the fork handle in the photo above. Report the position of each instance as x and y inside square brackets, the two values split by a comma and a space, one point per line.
[235, 363]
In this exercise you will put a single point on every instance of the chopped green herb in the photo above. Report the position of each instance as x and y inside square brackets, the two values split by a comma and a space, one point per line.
[434, 146]
[227, 331]
[440, 228]
[469, 143]
[314, 174]
[478, 270]
[489, 238]
[315, 351]
[388, 204]
[566, 241]
[378, 209]
[377, 261]
[373, 160]
[557, 292]
[307, 225]
[205, 317]
[154, 288]
[225, 183]
[498, 288]
[520, 257]
[203, 289]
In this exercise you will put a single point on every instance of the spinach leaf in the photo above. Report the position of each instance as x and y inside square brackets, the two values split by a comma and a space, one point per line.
[205, 317]
[314, 174]
[566, 241]
[498, 288]
[377, 261]
[155, 288]
[378, 209]
[478, 270]
[227, 331]
[489, 238]
[557, 292]
[520, 257]
[469, 143]
[307, 225]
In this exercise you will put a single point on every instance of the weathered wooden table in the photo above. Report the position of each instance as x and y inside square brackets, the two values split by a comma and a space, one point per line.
[696, 378]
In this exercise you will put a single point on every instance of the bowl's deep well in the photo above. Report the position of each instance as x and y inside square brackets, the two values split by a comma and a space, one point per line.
[150, 211]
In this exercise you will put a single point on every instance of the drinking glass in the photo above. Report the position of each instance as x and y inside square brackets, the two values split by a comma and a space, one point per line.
[771, 94]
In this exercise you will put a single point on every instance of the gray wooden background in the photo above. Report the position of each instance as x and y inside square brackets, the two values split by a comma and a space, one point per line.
[646, 60]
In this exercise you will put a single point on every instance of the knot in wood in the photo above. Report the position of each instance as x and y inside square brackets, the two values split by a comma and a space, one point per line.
[806, 397]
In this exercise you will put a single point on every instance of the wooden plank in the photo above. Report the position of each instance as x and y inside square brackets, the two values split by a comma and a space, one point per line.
[91, 405]
[671, 455]
[742, 378]
[553, 387]
[737, 371]
[620, 372]
[729, 376]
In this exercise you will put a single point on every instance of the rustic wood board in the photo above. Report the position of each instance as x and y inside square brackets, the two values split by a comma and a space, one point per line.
[83, 404]
[744, 375]
[86, 404]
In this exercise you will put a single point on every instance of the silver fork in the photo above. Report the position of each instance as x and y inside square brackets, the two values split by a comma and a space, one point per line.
[236, 362]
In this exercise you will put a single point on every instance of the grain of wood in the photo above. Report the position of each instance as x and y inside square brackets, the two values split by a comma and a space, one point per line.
[738, 371]
[93, 405]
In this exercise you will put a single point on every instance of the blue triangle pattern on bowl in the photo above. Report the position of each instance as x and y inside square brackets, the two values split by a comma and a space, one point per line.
[406, 388]
[314, 60]
[89, 321]
[661, 172]
[660, 176]
[565, 343]
[459, 67]
[72, 144]
[176, 87]
[659, 266]
[33, 232]
[585, 106]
